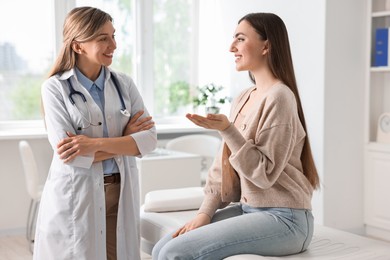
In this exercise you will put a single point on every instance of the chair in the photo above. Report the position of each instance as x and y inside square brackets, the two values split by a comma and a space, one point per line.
[33, 185]
[205, 145]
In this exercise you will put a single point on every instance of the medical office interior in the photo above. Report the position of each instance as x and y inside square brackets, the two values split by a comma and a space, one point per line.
[332, 43]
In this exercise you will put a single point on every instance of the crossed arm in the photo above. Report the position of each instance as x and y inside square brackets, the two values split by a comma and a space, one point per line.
[104, 148]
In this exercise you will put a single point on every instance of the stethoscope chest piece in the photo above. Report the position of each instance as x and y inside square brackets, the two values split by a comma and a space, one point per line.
[125, 112]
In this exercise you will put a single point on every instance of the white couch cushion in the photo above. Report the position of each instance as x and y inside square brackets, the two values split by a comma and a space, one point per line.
[173, 199]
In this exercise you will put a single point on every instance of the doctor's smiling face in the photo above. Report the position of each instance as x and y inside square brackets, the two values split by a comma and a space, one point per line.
[97, 52]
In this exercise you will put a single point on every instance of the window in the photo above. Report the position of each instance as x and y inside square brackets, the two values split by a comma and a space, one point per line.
[156, 46]
[175, 56]
[26, 54]
[167, 53]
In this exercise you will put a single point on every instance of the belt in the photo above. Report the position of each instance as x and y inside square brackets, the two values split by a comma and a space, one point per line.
[113, 178]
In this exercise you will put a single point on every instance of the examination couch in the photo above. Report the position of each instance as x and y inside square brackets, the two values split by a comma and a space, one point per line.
[166, 210]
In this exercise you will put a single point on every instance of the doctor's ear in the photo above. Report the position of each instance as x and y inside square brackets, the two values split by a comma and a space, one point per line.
[76, 46]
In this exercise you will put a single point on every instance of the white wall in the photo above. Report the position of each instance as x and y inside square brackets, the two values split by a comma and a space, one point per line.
[345, 71]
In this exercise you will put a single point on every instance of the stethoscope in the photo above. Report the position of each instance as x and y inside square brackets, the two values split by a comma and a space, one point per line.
[72, 92]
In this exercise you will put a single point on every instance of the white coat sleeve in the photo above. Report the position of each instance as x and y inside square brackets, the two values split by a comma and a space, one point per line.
[57, 119]
[146, 140]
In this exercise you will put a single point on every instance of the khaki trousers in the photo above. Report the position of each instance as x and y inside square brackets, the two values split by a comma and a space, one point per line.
[112, 191]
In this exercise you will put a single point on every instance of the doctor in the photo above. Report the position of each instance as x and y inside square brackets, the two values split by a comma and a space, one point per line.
[97, 124]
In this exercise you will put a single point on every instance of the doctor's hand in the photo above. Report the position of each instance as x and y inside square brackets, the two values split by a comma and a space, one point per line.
[212, 121]
[136, 125]
[201, 219]
[74, 145]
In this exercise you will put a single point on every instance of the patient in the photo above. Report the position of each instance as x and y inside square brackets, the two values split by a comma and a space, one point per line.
[265, 164]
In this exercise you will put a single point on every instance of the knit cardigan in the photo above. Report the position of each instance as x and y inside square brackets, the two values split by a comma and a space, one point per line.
[259, 163]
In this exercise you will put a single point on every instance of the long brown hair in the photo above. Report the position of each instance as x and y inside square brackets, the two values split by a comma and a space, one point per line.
[81, 24]
[272, 28]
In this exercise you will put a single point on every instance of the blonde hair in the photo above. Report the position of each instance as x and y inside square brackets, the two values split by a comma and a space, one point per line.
[81, 24]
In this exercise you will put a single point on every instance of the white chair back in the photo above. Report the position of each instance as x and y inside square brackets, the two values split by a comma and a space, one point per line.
[205, 145]
[30, 168]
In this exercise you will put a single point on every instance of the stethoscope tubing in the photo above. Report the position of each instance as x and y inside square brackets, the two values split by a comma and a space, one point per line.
[72, 92]
[116, 84]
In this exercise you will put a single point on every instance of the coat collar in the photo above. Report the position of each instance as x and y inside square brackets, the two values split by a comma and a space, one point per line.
[69, 73]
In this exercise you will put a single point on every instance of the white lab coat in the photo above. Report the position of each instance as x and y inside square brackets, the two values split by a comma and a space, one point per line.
[71, 219]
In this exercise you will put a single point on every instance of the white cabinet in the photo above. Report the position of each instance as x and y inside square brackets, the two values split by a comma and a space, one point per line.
[377, 182]
[377, 155]
[166, 169]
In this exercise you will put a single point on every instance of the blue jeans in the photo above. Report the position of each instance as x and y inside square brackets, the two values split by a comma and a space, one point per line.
[240, 229]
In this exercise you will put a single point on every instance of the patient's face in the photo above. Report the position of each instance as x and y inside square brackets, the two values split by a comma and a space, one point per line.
[249, 49]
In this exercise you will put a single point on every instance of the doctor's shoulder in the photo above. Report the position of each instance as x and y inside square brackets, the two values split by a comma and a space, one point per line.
[53, 84]
[124, 79]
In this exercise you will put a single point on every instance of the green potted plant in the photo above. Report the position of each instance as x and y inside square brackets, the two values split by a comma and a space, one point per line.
[179, 95]
[209, 97]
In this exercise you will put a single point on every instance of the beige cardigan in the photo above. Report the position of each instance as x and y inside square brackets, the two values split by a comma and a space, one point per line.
[259, 164]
